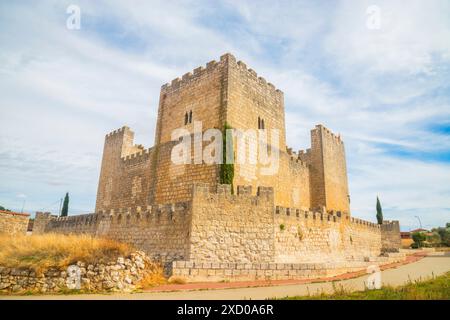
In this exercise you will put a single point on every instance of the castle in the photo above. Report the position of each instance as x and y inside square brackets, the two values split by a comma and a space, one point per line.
[292, 224]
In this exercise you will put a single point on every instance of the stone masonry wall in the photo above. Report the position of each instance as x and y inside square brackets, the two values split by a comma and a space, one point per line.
[231, 228]
[161, 231]
[13, 223]
[121, 275]
[329, 186]
[247, 228]
[217, 227]
[390, 236]
[305, 236]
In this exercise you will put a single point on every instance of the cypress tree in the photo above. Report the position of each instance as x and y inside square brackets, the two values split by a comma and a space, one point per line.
[65, 208]
[379, 212]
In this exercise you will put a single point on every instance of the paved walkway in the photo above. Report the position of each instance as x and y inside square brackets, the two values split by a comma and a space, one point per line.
[433, 265]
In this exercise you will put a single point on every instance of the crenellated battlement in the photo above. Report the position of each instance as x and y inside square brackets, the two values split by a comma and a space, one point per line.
[304, 155]
[142, 155]
[328, 133]
[260, 80]
[118, 132]
[188, 77]
[78, 220]
[295, 158]
[148, 215]
[320, 215]
[316, 215]
[365, 223]
[226, 59]
[88, 223]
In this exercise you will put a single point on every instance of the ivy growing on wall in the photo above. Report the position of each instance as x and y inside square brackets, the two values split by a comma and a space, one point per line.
[226, 169]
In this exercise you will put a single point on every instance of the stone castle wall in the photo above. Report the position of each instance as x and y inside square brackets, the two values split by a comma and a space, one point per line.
[162, 231]
[13, 223]
[232, 227]
[249, 228]
[302, 236]
[217, 227]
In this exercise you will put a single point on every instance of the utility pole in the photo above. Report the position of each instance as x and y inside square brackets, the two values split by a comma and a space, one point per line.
[60, 205]
[23, 204]
[420, 222]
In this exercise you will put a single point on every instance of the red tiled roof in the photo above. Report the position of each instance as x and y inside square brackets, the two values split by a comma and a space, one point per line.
[419, 230]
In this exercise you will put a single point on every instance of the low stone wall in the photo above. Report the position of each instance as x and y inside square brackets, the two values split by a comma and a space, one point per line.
[212, 272]
[13, 223]
[121, 275]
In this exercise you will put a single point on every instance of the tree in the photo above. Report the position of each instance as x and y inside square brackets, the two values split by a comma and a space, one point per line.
[419, 238]
[444, 234]
[65, 208]
[2, 208]
[379, 212]
[434, 239]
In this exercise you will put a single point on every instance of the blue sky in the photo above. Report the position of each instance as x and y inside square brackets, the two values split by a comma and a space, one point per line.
[386, 91]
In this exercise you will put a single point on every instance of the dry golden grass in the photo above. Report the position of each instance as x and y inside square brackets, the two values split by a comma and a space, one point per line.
[155, 278]
[40, 252]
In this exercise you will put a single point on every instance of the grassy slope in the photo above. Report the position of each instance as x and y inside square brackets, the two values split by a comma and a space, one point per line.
[40, 252]
[437, 288]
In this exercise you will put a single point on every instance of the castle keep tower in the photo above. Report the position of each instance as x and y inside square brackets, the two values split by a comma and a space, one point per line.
[223, 92]
[329, 186]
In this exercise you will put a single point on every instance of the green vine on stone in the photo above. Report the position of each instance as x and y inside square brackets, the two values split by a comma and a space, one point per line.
[226, 169]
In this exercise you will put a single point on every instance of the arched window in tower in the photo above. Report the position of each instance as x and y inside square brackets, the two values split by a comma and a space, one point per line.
[190, 116]
[186, 118]
[262, 124]
[259, 123]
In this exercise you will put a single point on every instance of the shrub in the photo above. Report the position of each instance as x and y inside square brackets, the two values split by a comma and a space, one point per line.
[434, 239]
[419, 238]
[444, 234]
[414, 245]
[155, 278]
